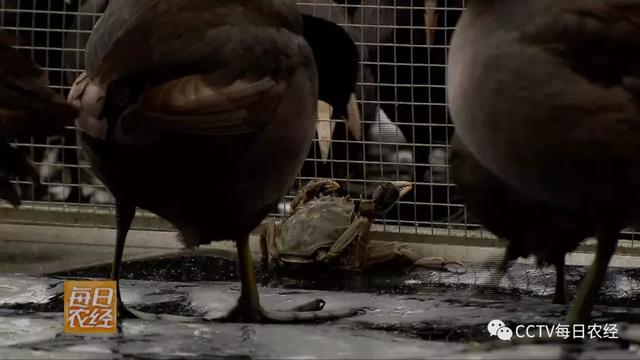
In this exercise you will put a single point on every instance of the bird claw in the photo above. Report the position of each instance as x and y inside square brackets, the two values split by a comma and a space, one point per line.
[129, 313]
[313, 305]
[455, 267]
[308, 312]
[438, 263]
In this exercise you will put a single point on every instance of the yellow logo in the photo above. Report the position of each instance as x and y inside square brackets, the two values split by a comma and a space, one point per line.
[90, 307]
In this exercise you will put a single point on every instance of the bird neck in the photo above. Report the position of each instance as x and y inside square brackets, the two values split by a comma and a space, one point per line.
[337, 75]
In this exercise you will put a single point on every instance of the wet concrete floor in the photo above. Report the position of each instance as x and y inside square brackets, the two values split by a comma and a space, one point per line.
[417, 314]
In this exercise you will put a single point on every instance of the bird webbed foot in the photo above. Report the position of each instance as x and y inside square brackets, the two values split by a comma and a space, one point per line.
[247, 312]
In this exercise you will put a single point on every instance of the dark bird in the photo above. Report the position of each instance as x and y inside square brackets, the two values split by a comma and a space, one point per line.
[545, 94]
[202, 112]
[86, 14]
[27, 108]
[531, 226]
[19, 18]
[331, 65]
[340, 139]
[407, 68]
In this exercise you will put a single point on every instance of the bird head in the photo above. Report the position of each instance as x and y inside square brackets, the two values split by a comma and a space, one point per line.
[337, 59]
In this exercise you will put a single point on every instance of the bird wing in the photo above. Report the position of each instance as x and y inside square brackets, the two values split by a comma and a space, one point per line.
[27, 105]
[194, 104]
[27, 108]
[597, 39]
[24, 86]
[186, 66]
[155, 36]
[15, 65]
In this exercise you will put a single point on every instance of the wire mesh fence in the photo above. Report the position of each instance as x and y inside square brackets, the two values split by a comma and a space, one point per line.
[401, 94]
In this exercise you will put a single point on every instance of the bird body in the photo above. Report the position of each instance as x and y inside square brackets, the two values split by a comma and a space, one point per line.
[28, 107]
[202, 112]
[549, 56]
[276, 77]
[531, 226]
[545, 95]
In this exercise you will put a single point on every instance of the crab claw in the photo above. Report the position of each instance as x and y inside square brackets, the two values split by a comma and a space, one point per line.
[326, 125]
[312, 190]
[404, 187]
[319, 187]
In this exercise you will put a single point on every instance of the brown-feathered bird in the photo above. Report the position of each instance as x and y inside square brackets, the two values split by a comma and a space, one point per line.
[202, 112]
[545, 95]
[531, 226]
[27, 108]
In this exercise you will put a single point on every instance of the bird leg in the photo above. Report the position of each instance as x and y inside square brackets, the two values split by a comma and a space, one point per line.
[124, 216]
[8, 191]
[496, 276]
[560, 296]
[248, 308]
[125, 212]
[14, 162]
[583, 304]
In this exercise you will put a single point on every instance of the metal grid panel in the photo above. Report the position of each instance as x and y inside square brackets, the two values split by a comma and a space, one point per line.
[401, 93]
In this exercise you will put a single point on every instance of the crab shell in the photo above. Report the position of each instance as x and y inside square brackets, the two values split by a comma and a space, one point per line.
[315, 226]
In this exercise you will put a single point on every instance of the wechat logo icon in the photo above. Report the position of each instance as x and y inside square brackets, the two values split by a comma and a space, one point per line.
[499, 329]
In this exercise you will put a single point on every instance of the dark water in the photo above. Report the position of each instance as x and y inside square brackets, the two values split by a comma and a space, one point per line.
[621, 288]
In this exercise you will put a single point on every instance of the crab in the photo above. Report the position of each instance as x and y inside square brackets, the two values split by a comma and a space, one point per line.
[326, 228]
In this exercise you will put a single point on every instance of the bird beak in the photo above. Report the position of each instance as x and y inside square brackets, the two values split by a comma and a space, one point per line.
[325, 125]
[354, 120]
[431, 19]
[324, 129]
[403, 187]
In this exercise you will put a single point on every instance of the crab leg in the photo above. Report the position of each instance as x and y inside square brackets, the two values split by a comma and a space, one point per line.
[382, 251]
[267, 243]
[357, 227]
